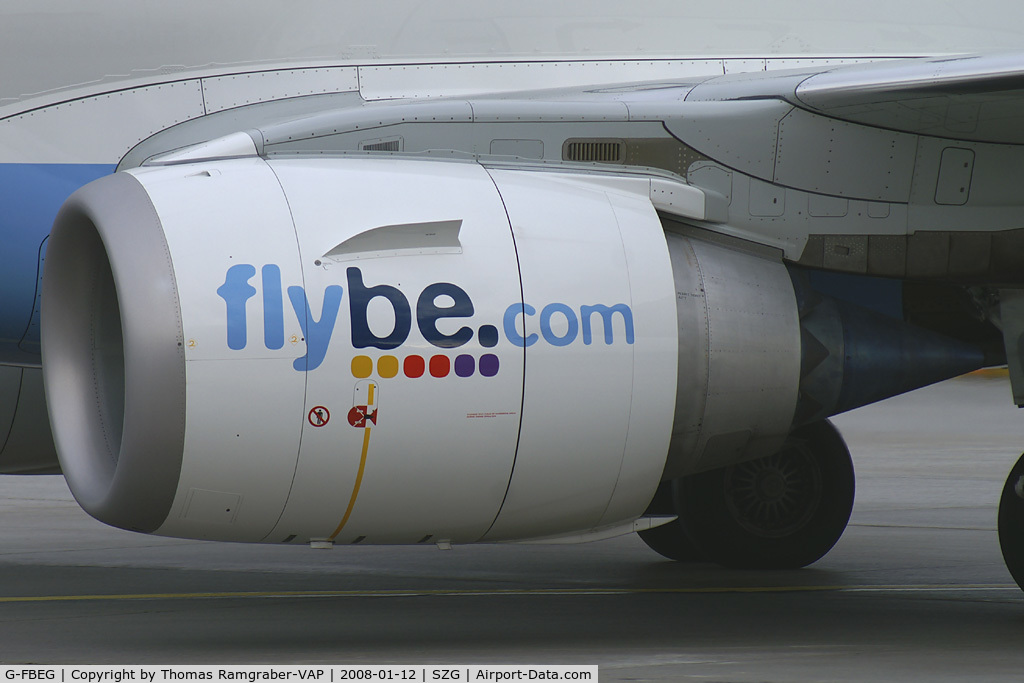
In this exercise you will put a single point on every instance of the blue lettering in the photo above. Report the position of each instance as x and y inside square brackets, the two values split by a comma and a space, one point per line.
[545, 325]
[510, 324]
[428, 313]
[273, 308]
[236, 291]
[606, 318]
[317, 332]
[359, 297]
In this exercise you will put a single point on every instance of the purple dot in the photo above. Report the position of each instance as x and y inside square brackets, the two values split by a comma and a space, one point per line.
[464, 365]
[488, 365]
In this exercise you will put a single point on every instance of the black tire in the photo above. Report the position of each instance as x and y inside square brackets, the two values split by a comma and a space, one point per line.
[669, 540]
[780, 512]
[1011, 522]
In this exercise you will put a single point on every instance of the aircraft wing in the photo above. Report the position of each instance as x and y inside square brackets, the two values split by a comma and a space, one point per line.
[937, 140]
[978, 98]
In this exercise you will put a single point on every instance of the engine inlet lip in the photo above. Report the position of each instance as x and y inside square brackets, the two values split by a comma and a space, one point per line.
[123, 469]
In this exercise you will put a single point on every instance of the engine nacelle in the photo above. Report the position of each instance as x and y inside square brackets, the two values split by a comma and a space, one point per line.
[399, 351]
[377, 350]
[739, 356]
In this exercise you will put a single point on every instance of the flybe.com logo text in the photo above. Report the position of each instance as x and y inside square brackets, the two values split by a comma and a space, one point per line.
[559, 323]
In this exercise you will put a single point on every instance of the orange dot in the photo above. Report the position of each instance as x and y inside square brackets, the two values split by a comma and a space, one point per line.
[414, 366]
[387, 366]
[440, 366]
[362, 366]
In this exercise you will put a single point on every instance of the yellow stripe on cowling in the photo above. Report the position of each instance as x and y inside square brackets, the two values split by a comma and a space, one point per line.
[359, 480]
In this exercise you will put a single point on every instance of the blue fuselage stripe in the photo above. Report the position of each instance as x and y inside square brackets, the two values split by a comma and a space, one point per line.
[30, 196]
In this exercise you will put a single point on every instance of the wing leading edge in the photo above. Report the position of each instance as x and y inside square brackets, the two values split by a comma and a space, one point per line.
[978, 98]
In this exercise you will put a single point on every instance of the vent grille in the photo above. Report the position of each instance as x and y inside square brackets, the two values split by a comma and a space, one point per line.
[600, 151]
[394, 145]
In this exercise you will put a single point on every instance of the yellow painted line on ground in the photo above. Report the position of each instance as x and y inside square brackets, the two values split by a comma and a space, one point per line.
[359, 481]
[584, 592]
[992, 372]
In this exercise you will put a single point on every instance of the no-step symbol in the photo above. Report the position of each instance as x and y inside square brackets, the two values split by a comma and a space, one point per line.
[319, 416]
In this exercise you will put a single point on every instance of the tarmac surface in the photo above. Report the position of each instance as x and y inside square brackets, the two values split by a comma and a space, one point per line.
[915, 590]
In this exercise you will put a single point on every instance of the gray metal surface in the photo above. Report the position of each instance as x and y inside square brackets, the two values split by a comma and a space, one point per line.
[806, 158]
[1011, 316]
[111, 333]
[739, 356]
[915, 590]
[977, 97]
[829, 192]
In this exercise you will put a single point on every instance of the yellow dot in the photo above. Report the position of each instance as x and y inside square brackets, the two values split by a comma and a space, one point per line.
[387, 366]
[362, 366]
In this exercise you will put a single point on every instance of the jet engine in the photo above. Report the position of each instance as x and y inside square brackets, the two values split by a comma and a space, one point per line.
[372, 350]
[404, 351]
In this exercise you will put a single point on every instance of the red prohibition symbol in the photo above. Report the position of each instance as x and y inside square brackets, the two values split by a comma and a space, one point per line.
[319, 416]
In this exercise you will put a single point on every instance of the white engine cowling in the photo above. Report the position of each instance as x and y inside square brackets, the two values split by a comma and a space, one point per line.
[377, 350]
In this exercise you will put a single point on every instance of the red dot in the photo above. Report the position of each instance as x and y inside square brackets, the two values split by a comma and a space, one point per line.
[413, 366]
[440, 366]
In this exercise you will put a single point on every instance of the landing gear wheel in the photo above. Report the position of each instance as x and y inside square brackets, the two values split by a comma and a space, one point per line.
[780, 512]
[1011, 522]
[669, 540]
